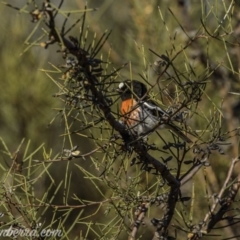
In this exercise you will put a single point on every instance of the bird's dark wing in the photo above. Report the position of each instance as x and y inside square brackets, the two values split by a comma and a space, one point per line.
[162, 116]
[154, 109]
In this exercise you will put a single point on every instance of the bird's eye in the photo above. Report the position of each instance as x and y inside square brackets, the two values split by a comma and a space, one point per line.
[121, 85]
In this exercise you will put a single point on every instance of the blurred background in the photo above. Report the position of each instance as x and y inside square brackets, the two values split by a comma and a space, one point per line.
[30, 111]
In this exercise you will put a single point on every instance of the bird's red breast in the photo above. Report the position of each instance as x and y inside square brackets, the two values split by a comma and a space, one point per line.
[127, 105]
[130, 111]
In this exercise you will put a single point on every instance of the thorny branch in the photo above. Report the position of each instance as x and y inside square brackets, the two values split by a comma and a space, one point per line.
[211, 218]
[72, 47]
[137, 146]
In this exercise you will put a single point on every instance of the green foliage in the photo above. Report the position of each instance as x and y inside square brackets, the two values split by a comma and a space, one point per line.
[114, 185]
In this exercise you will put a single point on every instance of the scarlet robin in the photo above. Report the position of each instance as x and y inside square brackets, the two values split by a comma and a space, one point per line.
[142, 115]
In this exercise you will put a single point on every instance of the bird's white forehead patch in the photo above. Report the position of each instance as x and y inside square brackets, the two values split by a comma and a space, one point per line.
[121, 85]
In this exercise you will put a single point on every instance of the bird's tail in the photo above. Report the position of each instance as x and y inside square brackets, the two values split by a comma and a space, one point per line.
[178, 131]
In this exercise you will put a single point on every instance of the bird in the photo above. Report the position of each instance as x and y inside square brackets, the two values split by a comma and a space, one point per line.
[140, 114]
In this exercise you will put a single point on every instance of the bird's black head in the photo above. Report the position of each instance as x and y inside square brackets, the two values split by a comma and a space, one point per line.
[131, 89]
